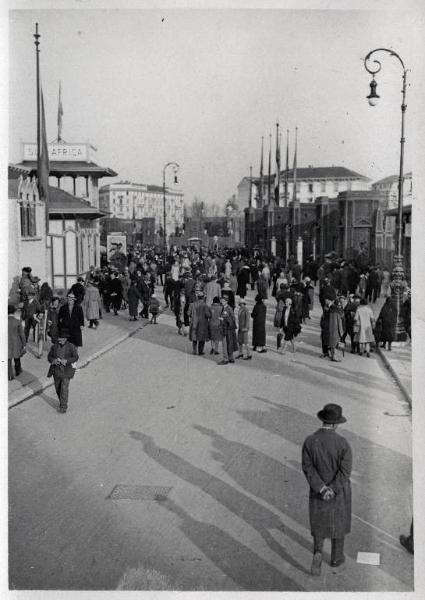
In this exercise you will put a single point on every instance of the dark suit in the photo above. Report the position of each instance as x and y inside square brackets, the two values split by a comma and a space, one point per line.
[62, 373]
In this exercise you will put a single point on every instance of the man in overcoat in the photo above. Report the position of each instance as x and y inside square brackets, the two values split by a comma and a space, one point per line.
[327, 463]
[71, 317]
[199, 315]
[61, 357]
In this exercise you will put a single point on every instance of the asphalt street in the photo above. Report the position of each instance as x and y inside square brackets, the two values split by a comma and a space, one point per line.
[209, 456]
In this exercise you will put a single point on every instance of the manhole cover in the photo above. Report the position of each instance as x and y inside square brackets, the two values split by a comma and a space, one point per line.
[139, 492]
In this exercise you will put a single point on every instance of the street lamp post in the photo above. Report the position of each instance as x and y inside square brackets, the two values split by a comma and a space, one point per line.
[176, 167]
[398, 282]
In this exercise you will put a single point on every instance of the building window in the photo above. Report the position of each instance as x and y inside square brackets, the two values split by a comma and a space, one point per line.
[310, 187]
[323, 187]
[28, 221]
[335, 186]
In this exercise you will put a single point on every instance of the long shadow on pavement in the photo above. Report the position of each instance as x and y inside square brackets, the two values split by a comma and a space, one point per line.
[257, 516]
[233, 558]
[165, 336]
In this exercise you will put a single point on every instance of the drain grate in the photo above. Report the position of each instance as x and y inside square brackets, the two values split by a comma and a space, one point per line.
[139, 492]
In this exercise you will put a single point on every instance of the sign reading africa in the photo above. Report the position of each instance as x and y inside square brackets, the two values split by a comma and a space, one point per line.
[59, 152]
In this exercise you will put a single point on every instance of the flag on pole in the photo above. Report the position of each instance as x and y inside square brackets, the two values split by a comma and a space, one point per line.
[277, 175]
[294, 174]
[260, 192]
[60, 113]
[287, 168]
[43, 167]
[269, 179]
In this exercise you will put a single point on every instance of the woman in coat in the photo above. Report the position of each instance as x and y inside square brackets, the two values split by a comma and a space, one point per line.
[290, 325]
[336, 329]
[259, 324]
[199, 315]
[262, 286]
[327, 464]
[92, 305]
[216, 335]
[386, 323]
[71, 317]
[16, 343]
[364, 324]
[134, 296]
[243, 281]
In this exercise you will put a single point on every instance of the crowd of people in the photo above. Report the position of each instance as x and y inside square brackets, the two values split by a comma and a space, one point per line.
[207, 292]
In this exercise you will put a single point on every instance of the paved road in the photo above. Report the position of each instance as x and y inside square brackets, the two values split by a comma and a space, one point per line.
[226, 440]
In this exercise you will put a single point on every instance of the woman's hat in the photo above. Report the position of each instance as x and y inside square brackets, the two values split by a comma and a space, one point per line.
[331, 413]
[64, 333]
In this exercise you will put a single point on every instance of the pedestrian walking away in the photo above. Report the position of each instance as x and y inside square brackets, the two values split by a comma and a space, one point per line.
[327, 464]
[62, 356]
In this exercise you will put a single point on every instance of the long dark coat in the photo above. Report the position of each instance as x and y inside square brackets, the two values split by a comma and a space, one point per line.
[15, 338]
[199, 314]
[216, 334]
[336, 326]
[259, 324]
[293, 326]
[386, 323]
[72, 322]
[243, 281]
[327, 460]
[133, 300]
[228, 328]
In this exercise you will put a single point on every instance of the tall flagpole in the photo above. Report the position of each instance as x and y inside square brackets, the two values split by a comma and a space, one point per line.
[286, 168]
[269, 183]
[37, 59]
[277, 176]
[294, 193]
[261, 175]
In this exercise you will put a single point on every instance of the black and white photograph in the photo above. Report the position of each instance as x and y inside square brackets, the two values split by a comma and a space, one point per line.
[214, 218]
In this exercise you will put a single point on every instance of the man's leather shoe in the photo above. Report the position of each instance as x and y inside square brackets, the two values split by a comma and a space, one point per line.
[338, 563]
[316, 564]
[406, 542]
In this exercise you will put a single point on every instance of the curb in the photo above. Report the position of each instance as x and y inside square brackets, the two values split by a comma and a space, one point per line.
[397, 379]
[45, 382]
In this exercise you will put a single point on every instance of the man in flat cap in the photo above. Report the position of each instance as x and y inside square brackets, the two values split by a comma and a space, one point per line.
[62, 356]
[327, 463]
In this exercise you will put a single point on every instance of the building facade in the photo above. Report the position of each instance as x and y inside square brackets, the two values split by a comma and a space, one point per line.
[311, 183]
[59, 242]
[137, 202]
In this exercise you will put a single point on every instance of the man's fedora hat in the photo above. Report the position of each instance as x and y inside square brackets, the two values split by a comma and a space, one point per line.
[64, 333]
[331, 413]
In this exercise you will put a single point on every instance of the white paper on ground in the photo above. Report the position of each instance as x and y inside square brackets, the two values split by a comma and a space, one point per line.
[368, 558]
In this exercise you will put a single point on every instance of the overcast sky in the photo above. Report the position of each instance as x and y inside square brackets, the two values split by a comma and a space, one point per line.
[201, 87]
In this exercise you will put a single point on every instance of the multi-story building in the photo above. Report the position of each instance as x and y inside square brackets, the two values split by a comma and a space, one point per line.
[138, 201]
[311, 182]
[389, 186]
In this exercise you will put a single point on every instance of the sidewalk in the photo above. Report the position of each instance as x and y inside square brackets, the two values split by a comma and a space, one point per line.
[398, 361]
[112, 330]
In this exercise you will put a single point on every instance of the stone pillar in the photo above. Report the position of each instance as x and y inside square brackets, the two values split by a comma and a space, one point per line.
[273, 246]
